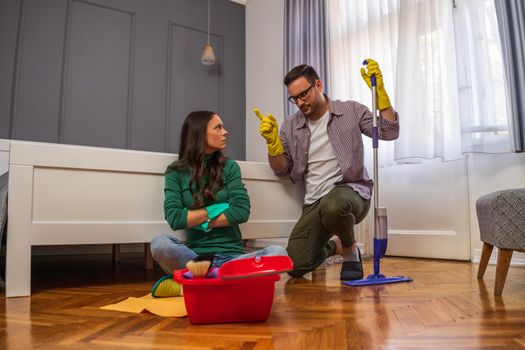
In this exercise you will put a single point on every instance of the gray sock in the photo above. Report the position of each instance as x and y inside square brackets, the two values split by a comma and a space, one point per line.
[352, 255]
[333, 247]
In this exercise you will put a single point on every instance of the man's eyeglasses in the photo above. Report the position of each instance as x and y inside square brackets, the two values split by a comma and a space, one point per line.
[301, 96]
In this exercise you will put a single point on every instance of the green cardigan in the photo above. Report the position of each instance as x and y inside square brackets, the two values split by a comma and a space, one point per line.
[220, 240]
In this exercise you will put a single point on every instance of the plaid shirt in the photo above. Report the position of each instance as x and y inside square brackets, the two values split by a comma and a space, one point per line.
[348, 120]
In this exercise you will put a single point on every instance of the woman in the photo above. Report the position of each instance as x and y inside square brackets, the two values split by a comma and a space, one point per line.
[203, 194]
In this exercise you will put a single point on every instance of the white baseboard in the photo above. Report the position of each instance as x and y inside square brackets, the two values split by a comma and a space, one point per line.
[283, 242]
[517, 260]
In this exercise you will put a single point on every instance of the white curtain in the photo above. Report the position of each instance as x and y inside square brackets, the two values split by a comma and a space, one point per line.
[418, 50]
[359, 30]
[481, 77]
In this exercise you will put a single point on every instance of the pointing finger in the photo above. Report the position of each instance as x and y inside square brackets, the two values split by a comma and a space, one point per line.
[258, 113]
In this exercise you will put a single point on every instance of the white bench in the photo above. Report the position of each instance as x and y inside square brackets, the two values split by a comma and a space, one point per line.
[64, 194]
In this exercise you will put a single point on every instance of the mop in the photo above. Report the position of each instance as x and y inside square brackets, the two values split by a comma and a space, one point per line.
[380, 219]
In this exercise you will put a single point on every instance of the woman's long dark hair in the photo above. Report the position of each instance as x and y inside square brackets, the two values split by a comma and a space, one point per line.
[192, 150]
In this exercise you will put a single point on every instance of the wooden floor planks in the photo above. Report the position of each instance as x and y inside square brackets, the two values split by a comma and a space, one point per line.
[446, 307]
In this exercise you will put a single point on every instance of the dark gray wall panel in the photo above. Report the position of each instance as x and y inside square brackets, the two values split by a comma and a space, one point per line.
[37, 89]
[228, 23]
[148, 125]
[197, 86]
[233, 69]
[9, 17]
[119, 73]
[97, 82]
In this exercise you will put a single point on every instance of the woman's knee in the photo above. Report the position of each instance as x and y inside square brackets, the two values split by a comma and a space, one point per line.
[161, 243]
[275, 250]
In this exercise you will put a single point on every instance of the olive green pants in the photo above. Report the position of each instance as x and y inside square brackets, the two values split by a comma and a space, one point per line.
[335, 213]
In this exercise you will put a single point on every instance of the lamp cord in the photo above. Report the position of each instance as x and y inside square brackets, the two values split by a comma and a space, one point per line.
[208, 22]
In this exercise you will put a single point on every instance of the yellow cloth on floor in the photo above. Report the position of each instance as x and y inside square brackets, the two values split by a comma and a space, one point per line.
[166, 307]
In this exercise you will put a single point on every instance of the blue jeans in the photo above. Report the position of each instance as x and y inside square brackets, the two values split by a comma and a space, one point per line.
[172, 254]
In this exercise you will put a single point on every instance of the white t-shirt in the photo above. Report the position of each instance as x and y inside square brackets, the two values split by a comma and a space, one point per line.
[323, 169]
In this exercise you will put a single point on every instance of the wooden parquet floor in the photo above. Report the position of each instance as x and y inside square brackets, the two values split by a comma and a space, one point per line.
[446, 307]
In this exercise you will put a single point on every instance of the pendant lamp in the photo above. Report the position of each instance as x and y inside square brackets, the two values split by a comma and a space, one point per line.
[208, 57]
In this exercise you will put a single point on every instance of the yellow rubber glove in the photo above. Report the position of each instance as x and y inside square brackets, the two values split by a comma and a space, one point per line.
[269, 129]
[372, 68]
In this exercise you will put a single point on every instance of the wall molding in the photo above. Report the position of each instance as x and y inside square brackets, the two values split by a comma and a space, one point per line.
[423, 232]
[66, 60]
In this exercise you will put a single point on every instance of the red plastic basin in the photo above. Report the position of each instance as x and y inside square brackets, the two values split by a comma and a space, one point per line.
[216, 300]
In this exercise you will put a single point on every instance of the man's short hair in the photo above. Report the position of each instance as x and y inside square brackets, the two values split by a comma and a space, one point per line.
[304, 70]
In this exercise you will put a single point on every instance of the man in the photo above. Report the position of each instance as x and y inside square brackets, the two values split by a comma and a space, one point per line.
[320, 145]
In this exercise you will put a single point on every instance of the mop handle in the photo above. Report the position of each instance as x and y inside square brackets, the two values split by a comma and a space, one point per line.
[375, 131]
[375, 138]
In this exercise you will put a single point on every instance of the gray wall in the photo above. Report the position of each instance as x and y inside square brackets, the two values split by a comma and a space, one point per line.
[119, 73]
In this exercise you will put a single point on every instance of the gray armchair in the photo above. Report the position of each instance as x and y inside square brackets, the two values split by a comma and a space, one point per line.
[501, 217]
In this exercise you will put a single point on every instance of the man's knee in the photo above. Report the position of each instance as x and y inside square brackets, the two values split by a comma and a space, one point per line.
[301, 262]
[296, 273]
[300, 269]
[331, 210]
